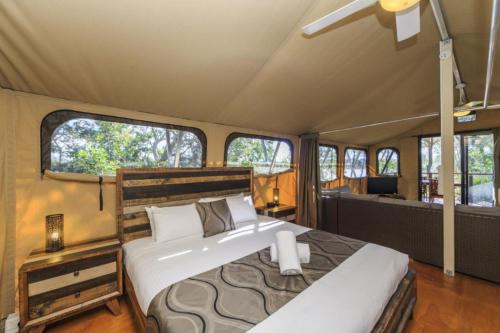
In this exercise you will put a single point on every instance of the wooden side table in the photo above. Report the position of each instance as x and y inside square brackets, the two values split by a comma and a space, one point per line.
[56, 285]
[282, 212]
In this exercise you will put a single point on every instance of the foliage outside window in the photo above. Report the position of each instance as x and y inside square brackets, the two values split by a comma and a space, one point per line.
[355, 163]
[388, 162]
[99, 147]
[266, 155]
[473, 168]
[328, 163]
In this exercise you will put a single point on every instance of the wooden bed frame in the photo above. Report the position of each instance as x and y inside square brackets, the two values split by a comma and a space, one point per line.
[138, 188]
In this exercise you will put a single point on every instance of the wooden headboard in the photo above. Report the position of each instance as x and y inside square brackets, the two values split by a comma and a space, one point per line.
[139, 188]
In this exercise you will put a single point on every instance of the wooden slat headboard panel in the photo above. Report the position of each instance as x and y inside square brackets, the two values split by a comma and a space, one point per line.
[139, 188]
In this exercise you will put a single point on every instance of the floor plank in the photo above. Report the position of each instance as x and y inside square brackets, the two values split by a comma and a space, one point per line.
[444, 304]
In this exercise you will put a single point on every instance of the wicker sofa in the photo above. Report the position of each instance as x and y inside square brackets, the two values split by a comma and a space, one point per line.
[416, 228]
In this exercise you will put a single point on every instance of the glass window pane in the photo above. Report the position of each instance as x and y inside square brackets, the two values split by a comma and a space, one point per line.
[355, 163]
[265, 155]
[430, 156]
[480, 175]
[388, 162]
[475, 156]
[100, 147]
[328, 163]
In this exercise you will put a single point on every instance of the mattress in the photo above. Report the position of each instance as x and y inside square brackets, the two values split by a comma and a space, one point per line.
[351, 297]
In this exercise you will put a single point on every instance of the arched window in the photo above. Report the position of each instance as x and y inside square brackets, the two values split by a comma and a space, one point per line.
[97, 144]
[388, 162]
[328, 155]
[267, 155]
[355, 163]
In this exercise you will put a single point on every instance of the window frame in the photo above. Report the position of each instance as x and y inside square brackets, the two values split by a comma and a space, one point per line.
[235, 135]
[366, 164]
[396, 150]
[463, 166]
[337, 167]
[51, 122]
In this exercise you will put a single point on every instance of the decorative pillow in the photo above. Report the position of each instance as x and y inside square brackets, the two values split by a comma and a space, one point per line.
[215, 217]
[241, 208]
[176, 222]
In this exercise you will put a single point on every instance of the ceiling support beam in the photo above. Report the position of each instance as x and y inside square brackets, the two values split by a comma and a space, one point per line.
[447, 154]
[428, 115]
[491, 51]
[443, 31]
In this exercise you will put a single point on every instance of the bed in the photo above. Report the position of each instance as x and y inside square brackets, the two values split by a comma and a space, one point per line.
[227, 283]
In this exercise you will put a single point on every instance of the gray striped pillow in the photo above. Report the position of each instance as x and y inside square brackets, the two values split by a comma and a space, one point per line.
[215, 217]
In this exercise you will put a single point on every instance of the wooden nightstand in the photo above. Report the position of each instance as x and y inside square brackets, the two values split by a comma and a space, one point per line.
[282, 212]
[56, 285]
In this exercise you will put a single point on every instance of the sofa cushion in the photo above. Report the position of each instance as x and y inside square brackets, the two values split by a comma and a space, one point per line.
[366, 197]
[490, 211]
[407, 203]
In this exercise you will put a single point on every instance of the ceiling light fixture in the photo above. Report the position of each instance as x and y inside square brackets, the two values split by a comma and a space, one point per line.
[461, 113]
[397, 5]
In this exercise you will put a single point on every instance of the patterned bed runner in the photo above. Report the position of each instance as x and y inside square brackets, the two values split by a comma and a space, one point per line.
[237, 296]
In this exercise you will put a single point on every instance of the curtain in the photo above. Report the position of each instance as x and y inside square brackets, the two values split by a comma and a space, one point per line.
[309, 188]
[7, 210]
[496, 138]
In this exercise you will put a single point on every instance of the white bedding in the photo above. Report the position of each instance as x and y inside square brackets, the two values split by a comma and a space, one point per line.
[351, 298]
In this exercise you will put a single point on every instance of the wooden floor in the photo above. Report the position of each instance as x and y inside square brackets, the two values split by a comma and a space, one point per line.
[459, 304]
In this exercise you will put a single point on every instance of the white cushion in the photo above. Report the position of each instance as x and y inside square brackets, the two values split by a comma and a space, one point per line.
[176, 222]
[241, 208]
[149, 211]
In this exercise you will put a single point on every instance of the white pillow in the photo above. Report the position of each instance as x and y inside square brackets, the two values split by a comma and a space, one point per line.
[149, 211]
[241, 208]
[176, 222]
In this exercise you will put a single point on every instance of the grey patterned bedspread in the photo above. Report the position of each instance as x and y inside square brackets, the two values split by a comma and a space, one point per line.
[238, 295]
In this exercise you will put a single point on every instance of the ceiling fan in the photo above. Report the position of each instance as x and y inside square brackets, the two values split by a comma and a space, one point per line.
[407, 16]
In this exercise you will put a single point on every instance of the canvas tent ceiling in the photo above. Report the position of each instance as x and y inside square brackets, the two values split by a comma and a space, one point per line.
[243, 63]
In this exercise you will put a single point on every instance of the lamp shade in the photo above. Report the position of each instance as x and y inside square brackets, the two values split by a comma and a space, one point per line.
[397, 5]
[54, 232]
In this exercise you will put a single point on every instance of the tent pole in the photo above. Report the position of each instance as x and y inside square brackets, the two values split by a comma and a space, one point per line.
[447, 152]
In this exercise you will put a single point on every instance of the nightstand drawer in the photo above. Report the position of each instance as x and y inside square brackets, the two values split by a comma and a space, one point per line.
[56, 288]
[68, 297]
[283, 213]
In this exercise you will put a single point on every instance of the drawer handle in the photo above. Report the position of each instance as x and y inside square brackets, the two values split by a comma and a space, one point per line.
[77, 294]
[76, 273]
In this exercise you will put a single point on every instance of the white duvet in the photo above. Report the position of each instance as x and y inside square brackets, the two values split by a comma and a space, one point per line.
[350, 298]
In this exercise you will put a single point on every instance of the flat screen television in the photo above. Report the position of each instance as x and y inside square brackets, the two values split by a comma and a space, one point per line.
[382, 185]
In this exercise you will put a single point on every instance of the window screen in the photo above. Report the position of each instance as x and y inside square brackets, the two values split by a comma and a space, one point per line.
[355, 163]
[328, 163]
[388, 162]
[94, 144]
[267, 155]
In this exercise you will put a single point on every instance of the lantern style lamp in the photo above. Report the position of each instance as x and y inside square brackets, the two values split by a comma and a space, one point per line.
[276, 197]
[276, 193]
[54, 232]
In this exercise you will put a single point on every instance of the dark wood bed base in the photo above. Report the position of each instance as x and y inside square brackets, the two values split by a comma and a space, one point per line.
[393, 320]
[137, 188]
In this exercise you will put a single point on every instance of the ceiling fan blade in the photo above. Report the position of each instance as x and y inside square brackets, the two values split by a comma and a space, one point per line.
[408, 22]
[337, 15]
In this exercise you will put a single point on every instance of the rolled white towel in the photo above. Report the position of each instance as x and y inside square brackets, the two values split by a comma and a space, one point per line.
[288, 256]
[302, 249]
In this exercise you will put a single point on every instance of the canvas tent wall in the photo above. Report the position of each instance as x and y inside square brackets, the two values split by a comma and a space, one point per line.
[240, 63]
